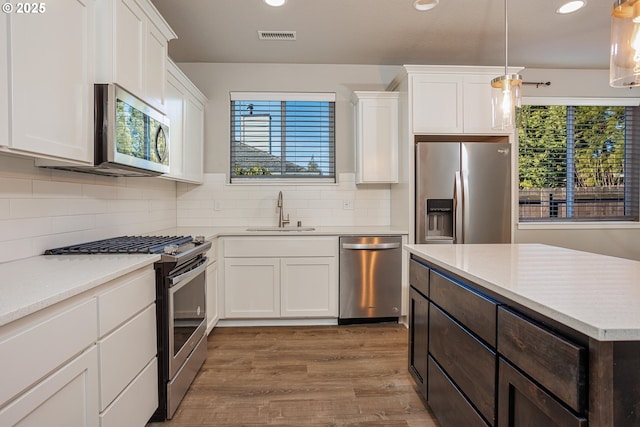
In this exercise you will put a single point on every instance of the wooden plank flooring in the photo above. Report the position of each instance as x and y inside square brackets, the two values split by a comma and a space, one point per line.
[324, 376]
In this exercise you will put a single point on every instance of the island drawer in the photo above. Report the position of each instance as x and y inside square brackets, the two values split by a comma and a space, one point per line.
[419, 277]
[523, 402]
[468, 307]
[449, 405]
[555, 363]
[469, 363]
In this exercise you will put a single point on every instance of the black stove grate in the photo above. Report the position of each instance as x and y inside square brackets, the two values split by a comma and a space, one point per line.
[122, 245]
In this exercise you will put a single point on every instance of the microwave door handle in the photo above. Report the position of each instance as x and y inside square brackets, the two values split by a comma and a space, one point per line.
[161, 134]
[458, 203]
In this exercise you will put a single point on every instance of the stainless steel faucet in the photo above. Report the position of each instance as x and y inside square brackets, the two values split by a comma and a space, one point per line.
[281, 219]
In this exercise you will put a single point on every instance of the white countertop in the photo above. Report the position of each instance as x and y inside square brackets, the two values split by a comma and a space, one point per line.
[214, 232]
[31, 284]
[35, 283]
[594, 294]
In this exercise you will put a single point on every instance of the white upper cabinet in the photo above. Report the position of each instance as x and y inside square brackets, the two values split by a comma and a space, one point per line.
[156, 67]
[477, 104]
[451, 99]
[437, 103]
[193, 141]
[185, 108]
[376, 131]
[131, 48]
[128, 38]
[49, 80]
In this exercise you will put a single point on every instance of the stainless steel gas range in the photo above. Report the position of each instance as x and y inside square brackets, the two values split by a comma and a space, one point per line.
[180, 306]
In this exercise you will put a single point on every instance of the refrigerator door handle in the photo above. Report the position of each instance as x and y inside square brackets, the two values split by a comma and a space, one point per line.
[464, 177]
[458, 206]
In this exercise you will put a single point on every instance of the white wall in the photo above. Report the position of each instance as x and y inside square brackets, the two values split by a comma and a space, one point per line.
[317, 205]
[217, 80]
[617, 240]
[42, 208]
[217, 203]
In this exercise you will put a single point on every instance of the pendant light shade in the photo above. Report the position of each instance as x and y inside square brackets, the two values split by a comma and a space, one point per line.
[505, 98]
[505, 95]
[423, 5]
[624, 67]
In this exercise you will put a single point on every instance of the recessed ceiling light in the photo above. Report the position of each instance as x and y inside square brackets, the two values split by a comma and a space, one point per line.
[275, 3]
[571, 7]
[423, 5]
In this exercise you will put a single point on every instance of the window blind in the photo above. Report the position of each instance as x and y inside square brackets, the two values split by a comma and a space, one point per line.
[282, 136]
[579, 163]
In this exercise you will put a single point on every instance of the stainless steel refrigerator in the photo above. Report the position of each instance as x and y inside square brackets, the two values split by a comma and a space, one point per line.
[463, 191]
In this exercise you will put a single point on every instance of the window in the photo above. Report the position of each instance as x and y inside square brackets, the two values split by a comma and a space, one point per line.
[579, 162]
[282, 135]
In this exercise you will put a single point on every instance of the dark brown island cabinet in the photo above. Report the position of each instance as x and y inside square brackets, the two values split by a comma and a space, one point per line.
[479, 359]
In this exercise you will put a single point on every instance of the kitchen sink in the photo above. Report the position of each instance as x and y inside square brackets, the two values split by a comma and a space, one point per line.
[275, 228]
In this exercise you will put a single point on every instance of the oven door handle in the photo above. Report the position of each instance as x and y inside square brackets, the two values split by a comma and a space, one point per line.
[189, 274]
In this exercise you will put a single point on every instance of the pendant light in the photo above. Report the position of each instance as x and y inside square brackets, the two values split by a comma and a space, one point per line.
[624, 67]
[505, 95]
[423, 5]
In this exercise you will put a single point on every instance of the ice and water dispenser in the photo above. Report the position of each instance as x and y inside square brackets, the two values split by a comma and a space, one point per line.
[439, 221]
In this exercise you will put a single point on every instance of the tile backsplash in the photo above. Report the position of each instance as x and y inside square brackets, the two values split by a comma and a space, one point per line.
[42, 208]
[218, 203]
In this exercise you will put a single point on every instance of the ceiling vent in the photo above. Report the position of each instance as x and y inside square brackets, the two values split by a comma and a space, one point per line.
[277, 35]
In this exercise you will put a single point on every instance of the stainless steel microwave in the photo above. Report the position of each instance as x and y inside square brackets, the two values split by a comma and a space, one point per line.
[129, 132]
[131, 138]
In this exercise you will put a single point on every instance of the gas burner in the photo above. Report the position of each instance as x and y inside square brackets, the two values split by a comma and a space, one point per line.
[123, 245]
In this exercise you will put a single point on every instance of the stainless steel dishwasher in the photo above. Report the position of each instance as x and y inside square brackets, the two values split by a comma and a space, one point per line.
[370, 279]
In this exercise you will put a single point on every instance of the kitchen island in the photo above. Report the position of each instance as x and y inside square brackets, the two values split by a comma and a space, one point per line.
[502, 334]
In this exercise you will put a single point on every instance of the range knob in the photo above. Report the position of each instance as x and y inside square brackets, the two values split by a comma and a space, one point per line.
[198, 240]
[171, 249]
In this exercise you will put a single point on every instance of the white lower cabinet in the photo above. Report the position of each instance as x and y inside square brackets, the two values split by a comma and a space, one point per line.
[272, 277]
[308, 287]
[135, 404]
[87, 361]
[128, 351]
[67, 398]
[117, 367]
[213, 313]
[252, 287]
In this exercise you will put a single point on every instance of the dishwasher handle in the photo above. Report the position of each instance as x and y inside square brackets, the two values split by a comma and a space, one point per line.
[370, 246]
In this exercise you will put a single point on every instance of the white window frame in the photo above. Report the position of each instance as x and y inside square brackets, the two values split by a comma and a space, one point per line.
[568, 225]
[285, 96]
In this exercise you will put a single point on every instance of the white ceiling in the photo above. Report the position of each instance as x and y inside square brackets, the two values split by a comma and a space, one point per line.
[390, 32]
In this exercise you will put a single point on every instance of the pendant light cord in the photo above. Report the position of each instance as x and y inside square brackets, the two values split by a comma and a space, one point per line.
[506, 40]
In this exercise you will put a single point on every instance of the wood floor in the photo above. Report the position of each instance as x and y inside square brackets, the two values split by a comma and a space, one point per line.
[304, 376]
